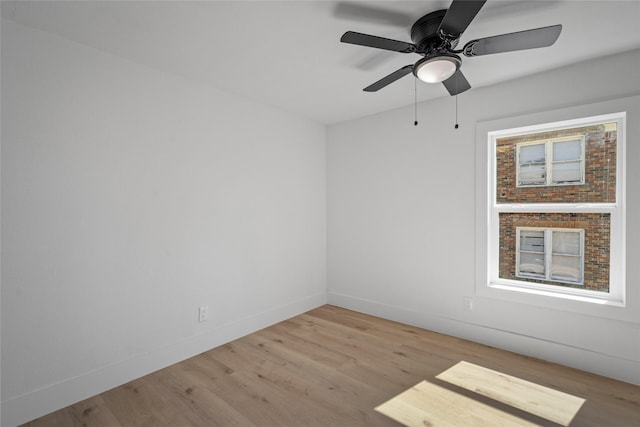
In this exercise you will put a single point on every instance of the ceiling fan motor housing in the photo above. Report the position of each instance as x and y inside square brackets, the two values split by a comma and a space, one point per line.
[424, 33]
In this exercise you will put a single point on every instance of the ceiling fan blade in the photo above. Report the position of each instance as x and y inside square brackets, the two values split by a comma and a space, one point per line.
[407, 69]
[377, 42]
[521, 40]
[371, 14]
[457, 83]
[459, 16]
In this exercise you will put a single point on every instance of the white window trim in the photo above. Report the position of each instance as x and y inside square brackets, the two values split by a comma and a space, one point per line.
[548, 254]
[616, 295]
[548, 144]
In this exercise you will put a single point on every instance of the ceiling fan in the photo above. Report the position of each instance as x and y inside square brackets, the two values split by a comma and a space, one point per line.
[435, 37]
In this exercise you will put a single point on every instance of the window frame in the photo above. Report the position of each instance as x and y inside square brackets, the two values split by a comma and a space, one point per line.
[549, 161]
[616, 294]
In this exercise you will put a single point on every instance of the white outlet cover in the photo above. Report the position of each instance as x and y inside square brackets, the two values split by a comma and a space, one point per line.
[203, 313]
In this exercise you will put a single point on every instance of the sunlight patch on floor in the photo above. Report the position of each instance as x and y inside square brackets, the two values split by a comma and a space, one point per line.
[429, 404]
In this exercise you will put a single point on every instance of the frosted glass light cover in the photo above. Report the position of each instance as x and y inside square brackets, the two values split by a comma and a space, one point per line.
[436, 70]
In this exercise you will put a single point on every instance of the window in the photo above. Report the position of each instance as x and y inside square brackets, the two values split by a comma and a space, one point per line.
[550, 254]
[532, 164]
[553, 162]
[531, 261]
[555, 217]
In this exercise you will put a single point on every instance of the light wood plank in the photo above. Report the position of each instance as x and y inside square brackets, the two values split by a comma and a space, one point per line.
[542, 401]
[427, 404]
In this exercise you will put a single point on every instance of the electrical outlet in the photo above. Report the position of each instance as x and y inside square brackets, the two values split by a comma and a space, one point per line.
[467, 303]
[203, 313]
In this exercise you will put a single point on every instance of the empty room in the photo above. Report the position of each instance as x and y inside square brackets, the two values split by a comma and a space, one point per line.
[320, 213]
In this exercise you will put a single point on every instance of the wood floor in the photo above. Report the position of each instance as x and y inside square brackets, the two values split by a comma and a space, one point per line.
[328, 367]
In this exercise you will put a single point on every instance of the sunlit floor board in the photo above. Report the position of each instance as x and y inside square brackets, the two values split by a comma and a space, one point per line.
[430, 404]
[427, 404]
[542, 401]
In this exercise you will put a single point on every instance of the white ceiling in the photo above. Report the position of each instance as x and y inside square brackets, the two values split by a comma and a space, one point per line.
[287, 54]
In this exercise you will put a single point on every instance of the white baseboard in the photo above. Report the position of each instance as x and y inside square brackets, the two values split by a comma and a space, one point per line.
[35, 404]
[584, 359]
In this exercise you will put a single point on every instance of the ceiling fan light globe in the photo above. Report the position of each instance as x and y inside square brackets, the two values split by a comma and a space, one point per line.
[437, 69]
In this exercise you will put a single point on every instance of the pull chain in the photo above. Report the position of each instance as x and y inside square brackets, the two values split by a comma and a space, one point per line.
[456, 126]
[415, 102]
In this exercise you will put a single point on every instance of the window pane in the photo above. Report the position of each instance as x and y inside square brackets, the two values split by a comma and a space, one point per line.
[531, 264]
[566, 242]
[566, 268]
[532, 154]
[567, 172]
[532, 174]
[567, 150]
[532, 240]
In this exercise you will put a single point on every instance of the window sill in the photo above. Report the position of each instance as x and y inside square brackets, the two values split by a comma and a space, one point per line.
[580, 297]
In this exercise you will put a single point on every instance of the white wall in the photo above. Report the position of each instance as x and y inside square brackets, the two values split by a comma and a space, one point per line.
[402, 219]
[131, 197]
